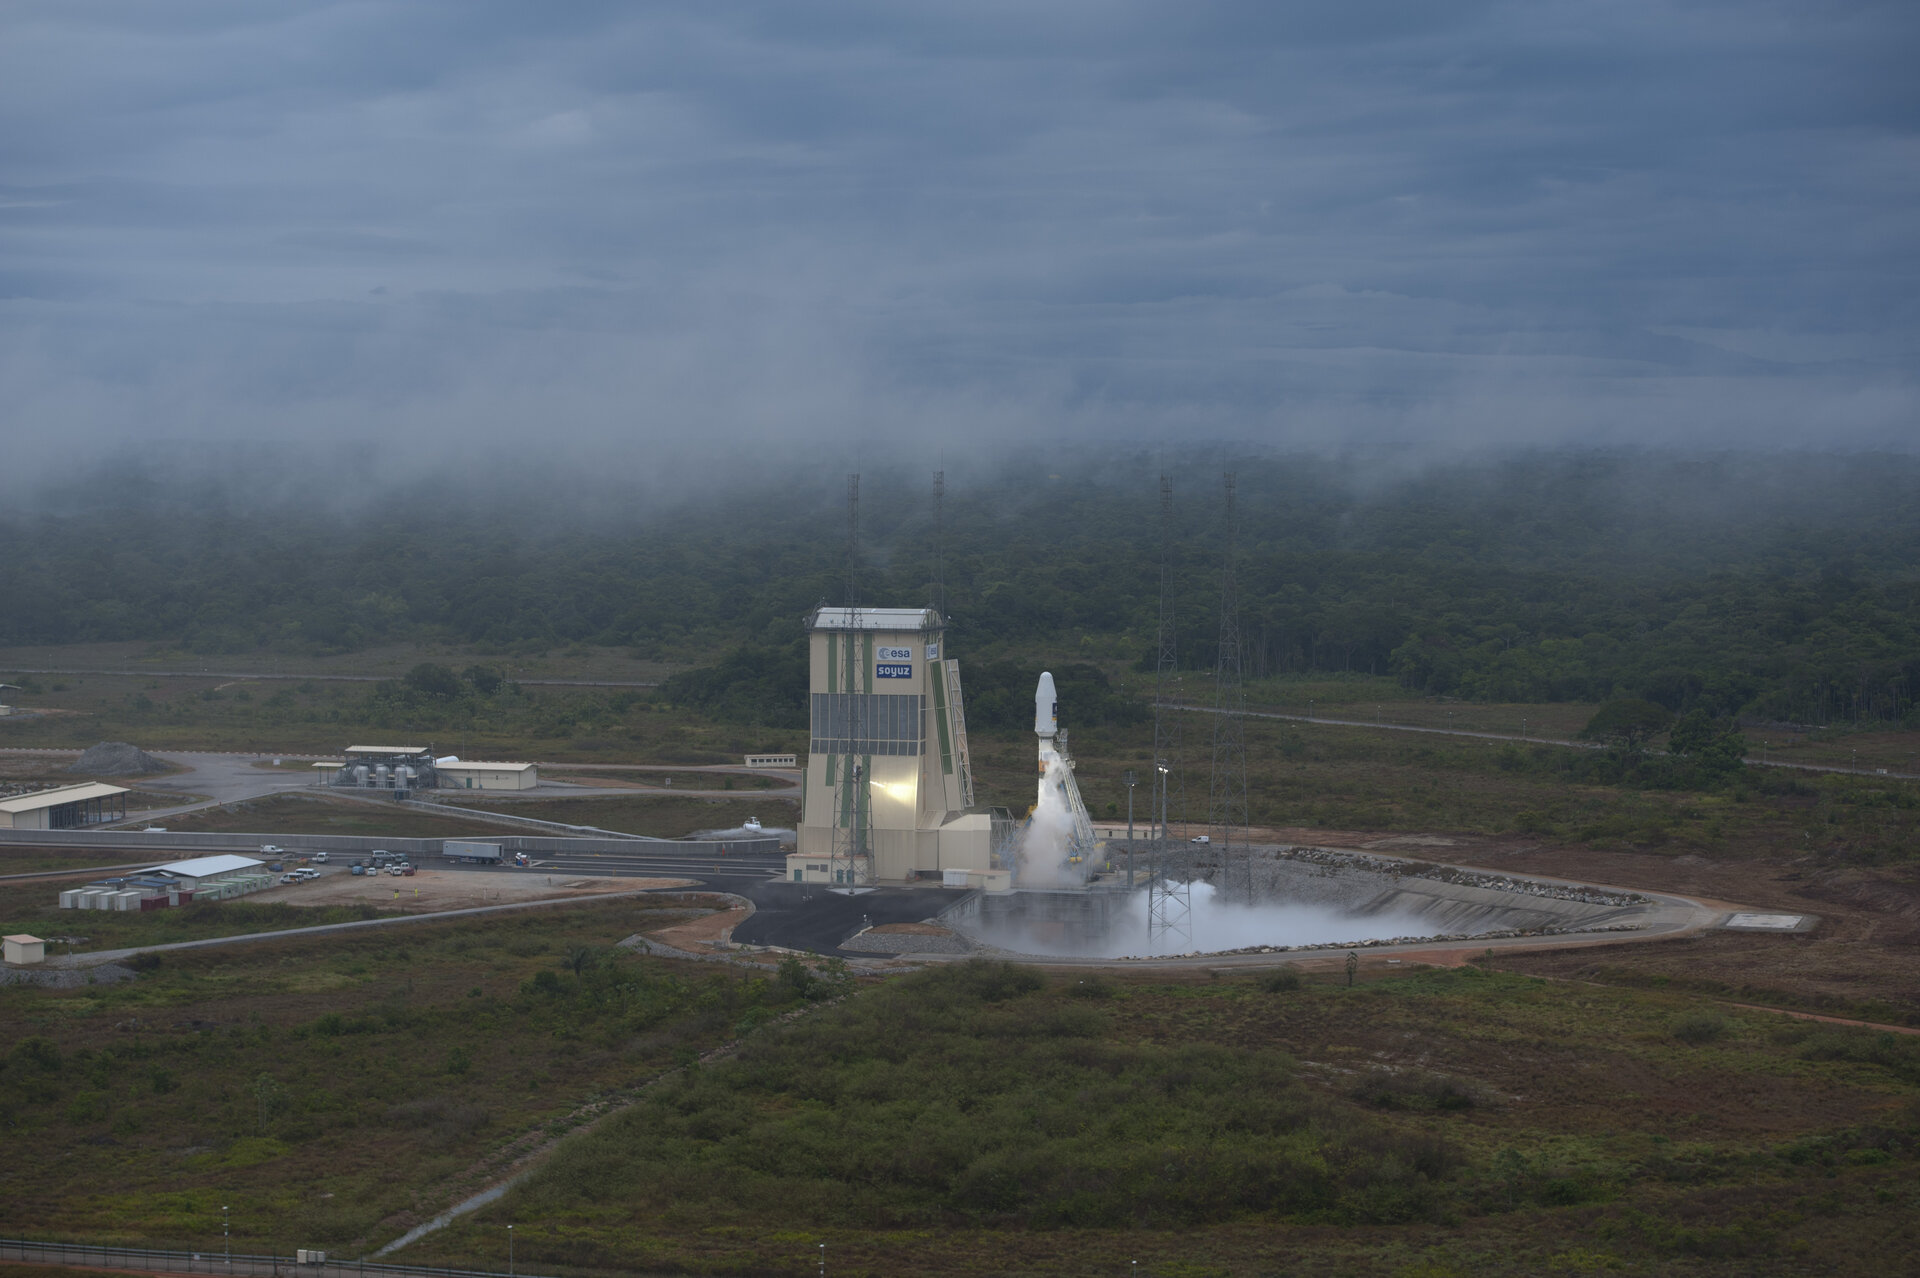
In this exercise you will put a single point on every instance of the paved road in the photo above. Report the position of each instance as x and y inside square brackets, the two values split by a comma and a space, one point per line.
[800, 916]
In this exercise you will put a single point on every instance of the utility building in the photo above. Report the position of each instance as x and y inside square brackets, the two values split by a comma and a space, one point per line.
[889, 785]
[66, 807]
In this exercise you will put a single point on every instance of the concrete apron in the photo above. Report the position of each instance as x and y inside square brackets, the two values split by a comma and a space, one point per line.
[1454, 901]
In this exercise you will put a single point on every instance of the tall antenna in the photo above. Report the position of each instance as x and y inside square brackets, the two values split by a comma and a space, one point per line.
[852, 851]
[1169, 874]
[1227, 791]
[937, 592]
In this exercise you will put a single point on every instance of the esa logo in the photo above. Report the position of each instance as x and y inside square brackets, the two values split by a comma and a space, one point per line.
[893, 654]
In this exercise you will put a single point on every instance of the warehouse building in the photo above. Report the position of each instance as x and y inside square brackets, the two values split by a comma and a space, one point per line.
[456, 774]
[66, 807]
[206, 878]
[904, 730]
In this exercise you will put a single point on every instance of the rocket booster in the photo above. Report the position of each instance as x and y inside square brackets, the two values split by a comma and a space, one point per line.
[1046, 707]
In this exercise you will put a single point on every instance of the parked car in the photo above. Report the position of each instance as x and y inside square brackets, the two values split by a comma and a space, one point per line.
[1203, 838]
[290, 878]
[269, 849]
[359, 869]
[320, 858]
[275, 866]
[407, 870]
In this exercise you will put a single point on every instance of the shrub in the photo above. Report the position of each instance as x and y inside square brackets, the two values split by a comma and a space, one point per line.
[994, 982]
[1698, 1027]
[1283, 981]
[1091, 987]
[1408, 1089]
[38, 1053]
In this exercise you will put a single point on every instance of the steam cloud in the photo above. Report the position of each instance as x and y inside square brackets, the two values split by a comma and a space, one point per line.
[1048, 839]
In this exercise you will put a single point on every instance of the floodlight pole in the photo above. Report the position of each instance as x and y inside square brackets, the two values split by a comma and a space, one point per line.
[509, 1251]
[1131, 780]
[226, 1237]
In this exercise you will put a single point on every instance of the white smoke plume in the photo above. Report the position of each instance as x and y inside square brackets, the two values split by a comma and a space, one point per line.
[1048, 839]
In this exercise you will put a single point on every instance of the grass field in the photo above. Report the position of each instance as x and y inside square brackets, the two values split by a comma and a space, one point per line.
[296, 814]
[329, 1092]
[318, 718]
[983, 1121]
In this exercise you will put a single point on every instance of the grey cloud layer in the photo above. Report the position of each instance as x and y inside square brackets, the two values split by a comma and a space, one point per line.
[1301, 222]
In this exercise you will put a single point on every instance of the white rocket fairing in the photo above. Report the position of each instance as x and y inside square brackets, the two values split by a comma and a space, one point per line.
[1046, 718]
[1046, 707]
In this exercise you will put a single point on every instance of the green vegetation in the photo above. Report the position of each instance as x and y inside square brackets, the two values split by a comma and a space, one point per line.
[978, 1119]
[321, 1089]
[1777, 588]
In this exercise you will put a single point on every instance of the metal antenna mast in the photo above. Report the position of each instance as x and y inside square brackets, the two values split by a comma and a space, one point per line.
[1227, 792]
[1169, 874]
[852, 852]
[937, 594]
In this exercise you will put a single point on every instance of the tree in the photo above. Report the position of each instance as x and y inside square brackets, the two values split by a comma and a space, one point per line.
[485, 679]
[430, 679]
[1714, 749]
[1627, 722]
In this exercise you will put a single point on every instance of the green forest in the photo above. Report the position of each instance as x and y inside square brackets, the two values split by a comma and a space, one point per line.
[1776, 587]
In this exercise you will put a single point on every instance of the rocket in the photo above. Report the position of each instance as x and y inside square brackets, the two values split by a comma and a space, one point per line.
[1046, 717]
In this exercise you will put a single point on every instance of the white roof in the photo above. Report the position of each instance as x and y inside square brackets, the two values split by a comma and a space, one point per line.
[467, 765]
[64, 794]
[876, 619]
[207, 866]
[23, 939]
[386, 749]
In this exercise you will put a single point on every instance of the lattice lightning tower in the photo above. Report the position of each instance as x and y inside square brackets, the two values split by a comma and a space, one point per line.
[1169, 871]
[1227, 791]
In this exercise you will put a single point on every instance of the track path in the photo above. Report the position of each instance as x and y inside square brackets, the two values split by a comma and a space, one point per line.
[1523, 739]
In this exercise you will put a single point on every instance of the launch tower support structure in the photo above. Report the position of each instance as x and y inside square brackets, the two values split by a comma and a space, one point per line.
[1169, 869]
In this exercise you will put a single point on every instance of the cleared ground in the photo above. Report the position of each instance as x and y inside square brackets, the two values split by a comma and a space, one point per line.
[427, 891]
[666, 817]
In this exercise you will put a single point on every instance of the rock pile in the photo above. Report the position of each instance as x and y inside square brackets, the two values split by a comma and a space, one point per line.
[117, 759]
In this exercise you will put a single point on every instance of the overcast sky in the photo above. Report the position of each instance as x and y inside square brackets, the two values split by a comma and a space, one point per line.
[867, 222]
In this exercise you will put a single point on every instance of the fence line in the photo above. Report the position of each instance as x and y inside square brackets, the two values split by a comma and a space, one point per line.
[155, 1260]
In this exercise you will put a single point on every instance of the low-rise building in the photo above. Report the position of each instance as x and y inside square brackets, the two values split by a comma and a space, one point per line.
[65, 807]
[23, 949]
[464, 775]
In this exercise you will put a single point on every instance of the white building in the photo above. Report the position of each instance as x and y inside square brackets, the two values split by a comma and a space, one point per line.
[204, 871]
[903, 727]
[487, 776]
